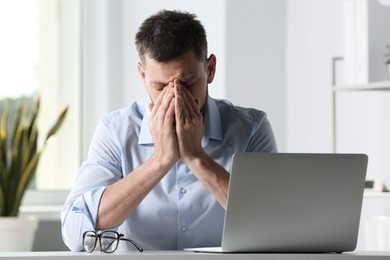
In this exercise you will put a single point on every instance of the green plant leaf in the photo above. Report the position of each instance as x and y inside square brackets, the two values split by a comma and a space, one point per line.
[387, 55]
[1, 200]
[24, 181]
[19, 153]
[57, 124]
[3, 143]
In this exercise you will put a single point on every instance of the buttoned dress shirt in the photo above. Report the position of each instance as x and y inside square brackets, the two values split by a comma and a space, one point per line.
[179, 212]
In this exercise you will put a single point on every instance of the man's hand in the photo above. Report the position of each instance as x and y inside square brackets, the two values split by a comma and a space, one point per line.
[189, 123]
[162, 127]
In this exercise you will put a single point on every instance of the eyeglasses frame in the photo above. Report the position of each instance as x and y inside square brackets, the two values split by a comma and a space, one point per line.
[119, 237]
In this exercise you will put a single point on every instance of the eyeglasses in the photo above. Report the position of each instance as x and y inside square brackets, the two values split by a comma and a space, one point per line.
[108, 241]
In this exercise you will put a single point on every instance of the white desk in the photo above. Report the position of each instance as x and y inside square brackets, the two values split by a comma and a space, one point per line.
[181, 255]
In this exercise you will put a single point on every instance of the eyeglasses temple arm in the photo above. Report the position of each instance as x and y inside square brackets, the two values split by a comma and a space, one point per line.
[134, 243]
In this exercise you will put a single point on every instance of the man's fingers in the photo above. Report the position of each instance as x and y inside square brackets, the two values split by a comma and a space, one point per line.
[181, 109]
[191, 103]
[160, 98]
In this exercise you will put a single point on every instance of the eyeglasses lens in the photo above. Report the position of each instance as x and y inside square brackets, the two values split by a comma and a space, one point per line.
[89, 241]
[109, 241]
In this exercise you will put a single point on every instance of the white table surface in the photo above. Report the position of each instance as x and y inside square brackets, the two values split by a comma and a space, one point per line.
[179, 255]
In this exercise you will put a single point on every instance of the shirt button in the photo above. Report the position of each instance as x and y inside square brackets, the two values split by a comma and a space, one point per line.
[184, 228]
[183, 191]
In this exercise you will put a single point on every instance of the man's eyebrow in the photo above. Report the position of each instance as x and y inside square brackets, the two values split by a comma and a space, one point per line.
[183, 80]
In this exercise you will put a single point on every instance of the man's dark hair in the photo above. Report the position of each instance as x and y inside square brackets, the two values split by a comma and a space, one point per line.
[169, 34]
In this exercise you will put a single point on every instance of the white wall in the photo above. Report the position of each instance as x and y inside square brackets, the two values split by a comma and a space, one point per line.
[314, 36]
[256, 59]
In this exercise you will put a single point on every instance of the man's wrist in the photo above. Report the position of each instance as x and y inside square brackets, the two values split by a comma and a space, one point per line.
[197, 161]
[161, 164]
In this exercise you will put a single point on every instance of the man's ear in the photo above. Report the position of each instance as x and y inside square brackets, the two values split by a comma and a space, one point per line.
[211, 68]
[141, 72]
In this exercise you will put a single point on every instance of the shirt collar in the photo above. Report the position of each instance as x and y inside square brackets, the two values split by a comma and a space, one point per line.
[144, 136]
[211, 118]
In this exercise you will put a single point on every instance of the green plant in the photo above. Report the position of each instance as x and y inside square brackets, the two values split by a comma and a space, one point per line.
[387, 55]
[19, 152]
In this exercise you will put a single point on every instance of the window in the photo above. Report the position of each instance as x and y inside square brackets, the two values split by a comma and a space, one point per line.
[40, 50]
[19, 47]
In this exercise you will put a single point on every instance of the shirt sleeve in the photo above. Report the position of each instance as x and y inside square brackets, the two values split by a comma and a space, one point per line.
[101, 169]
[262, 138]
[78, 216]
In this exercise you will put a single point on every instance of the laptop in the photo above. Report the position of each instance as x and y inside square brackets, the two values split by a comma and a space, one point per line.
[293, 203]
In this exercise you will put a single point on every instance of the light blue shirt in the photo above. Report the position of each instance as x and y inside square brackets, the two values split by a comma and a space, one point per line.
[179, 212]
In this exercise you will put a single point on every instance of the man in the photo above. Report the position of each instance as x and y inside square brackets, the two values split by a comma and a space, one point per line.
[158, 172]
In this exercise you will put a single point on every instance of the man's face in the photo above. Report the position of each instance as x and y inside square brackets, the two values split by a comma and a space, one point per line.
[193, 74]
